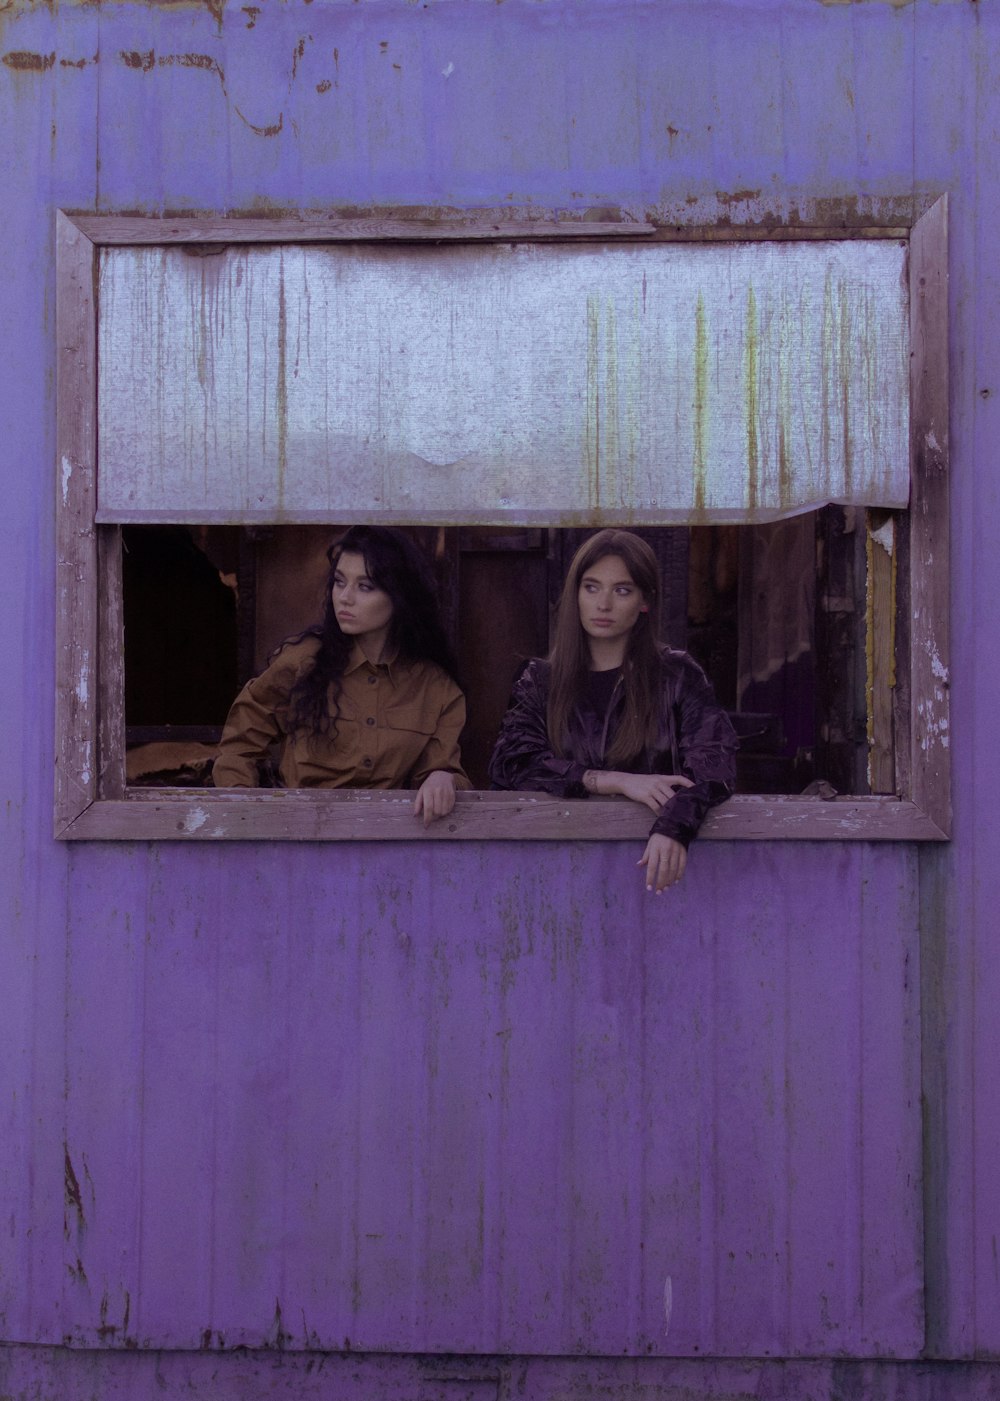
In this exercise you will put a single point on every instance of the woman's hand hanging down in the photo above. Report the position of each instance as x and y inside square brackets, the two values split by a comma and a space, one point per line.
[664, 860]
[435, 797]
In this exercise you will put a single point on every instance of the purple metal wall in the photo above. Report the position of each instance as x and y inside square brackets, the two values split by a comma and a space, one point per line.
[489, 1099]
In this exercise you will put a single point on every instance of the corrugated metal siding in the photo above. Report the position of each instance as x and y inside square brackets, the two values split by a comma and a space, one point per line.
[265, 1095]
[494, 1101]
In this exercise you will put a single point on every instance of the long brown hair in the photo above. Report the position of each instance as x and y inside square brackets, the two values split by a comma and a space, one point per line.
[570, 655]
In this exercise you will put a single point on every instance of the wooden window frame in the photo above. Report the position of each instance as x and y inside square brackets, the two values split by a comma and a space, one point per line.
[907, 643]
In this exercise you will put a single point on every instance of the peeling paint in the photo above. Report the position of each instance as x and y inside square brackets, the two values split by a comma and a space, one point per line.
[67, 475]
[194, 820]
[938, 667]
[83, 684]
[885, 536]
[85, 767]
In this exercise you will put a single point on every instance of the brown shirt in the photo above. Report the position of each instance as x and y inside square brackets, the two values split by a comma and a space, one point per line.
[397, 722]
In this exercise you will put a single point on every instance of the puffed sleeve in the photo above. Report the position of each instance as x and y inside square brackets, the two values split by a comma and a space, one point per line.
[522, 756]
[255, 722]
[707, 745]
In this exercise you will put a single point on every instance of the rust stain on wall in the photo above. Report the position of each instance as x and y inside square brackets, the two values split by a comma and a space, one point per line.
[299, 53]
[144, 61]
[216, 8]
[272, 130]
[203, 61]
[737, 196]
[133, 59]
[23, 61]
[74, 1200]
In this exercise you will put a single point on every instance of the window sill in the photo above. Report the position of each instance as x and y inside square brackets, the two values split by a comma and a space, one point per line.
[206, 814]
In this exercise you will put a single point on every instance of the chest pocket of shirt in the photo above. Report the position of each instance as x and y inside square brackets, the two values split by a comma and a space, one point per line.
[412, 718]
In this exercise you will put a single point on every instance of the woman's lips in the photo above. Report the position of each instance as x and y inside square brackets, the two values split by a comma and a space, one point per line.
[602, 622]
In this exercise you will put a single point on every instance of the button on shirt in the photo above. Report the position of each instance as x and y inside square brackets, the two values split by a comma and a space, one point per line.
[397, 722]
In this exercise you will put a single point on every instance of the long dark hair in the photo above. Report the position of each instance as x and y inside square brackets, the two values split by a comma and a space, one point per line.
[395, 564]
[570, 656]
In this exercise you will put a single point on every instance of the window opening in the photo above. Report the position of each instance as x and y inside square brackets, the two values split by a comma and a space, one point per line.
[775, 614]
[878, 674]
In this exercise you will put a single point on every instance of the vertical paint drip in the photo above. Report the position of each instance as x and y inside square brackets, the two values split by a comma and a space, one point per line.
[700, 401]
[828, 358]
[752, 401]
[632, 371]
[845, 383]
[611, 456]
[281, 392]
[593, 401]
[784, 412]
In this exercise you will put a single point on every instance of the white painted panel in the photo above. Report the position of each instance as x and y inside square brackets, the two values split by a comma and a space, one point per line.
[528, 383]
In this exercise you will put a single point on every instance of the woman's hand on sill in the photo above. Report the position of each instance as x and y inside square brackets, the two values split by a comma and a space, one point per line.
[653, 789]
[435, 797]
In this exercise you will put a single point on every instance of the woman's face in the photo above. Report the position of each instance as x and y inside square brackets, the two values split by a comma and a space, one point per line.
[609, 599]
[363, 610]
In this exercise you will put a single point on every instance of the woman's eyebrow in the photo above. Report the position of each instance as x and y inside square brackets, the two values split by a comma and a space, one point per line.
[616, 583]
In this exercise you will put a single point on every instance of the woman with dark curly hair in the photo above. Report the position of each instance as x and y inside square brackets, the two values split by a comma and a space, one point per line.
[613, 711]
[368, 698]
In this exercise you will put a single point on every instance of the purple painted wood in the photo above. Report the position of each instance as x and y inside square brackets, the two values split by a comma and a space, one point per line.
[480, 1098]
[54, 1374]
[469, 1106]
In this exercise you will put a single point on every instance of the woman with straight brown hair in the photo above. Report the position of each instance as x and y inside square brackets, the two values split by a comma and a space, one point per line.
[613, 711]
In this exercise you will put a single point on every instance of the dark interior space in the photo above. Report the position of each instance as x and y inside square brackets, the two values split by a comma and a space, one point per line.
[774, 613]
